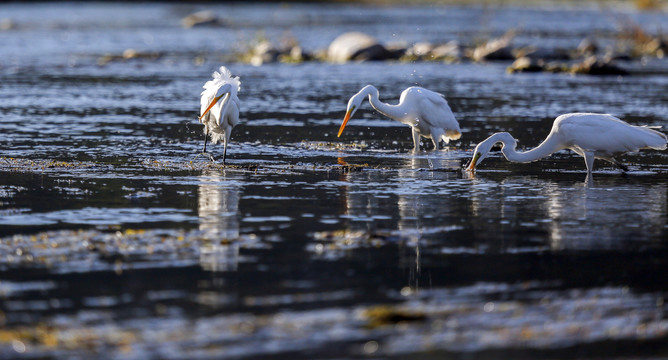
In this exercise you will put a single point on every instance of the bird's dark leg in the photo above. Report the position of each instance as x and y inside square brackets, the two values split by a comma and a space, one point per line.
[228, 133]
[436, 137]
[437, 144]
[206, 136]
[620, 165]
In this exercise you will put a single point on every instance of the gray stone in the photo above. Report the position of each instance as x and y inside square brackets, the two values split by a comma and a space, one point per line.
[356, 46]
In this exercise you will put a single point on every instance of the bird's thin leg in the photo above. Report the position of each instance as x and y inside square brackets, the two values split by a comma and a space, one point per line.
[589, 181]
[224, 151]
[228, 133]
[206, 133]
[589, 161]
[416, 141]
[619, 165]
[436, 135]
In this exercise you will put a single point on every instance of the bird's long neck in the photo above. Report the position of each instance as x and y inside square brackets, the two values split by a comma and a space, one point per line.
[224, 102]
[391, 111]
[546, 148]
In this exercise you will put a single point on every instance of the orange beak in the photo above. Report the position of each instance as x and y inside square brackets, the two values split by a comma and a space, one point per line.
[471, 166]
[213, 102]
[345, 121]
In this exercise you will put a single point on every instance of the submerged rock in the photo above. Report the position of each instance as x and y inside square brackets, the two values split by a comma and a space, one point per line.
[590, 66]
[7, 24]
[595, 66]
[450, 52]
[294, 55]
[546, 55]
[128, 54]
[587, 47]
[200, 18]
[654, 47]
[263, 53]
[419, 50]
[266, 53]
[526, 64]
[357, 46]
[637, 43]
[134, 54]
[496, 49]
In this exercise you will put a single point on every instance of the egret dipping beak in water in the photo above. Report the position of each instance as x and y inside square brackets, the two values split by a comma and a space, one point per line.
[220, 116]
[427, 112]
[592, 136]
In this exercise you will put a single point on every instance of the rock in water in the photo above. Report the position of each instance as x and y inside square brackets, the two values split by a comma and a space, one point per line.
[496, 49]
[200, 18]
[356, 46]
[525, 64]
[594, 66]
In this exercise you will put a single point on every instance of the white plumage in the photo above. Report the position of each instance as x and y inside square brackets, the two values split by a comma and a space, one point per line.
[427, 112]
[220, 117]
[592, 136]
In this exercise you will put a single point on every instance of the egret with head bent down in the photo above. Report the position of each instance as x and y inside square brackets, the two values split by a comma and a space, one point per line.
[427, 112]
[592, 136]
[220, 117]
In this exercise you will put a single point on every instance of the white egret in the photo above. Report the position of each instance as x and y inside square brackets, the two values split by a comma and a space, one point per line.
[220, 117]
[427, 112]
[592, 136]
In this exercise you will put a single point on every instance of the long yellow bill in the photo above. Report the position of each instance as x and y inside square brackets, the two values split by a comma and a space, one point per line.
[345, 121]
[213, 102]
[471, 166]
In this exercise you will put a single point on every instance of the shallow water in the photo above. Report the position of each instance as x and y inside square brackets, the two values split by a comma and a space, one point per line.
[118, 241]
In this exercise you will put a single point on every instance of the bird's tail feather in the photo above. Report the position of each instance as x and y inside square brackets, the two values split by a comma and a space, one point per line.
[659, 141]
[452, 135]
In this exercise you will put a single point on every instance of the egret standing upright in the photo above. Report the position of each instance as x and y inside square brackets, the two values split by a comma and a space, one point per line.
[592, 136]
[220, 117]
[427, 112]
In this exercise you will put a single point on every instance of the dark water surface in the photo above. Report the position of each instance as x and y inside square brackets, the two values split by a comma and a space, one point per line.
[117, 241]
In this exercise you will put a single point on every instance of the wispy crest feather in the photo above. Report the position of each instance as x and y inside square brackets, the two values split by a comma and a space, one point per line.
[220, 77]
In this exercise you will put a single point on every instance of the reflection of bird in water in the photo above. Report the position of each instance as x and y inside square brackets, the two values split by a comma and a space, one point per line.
[218, 204]
[427, 112]
[433, 163]
[219, 117]
[592, 136]
[218, 210]
[587, 217]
